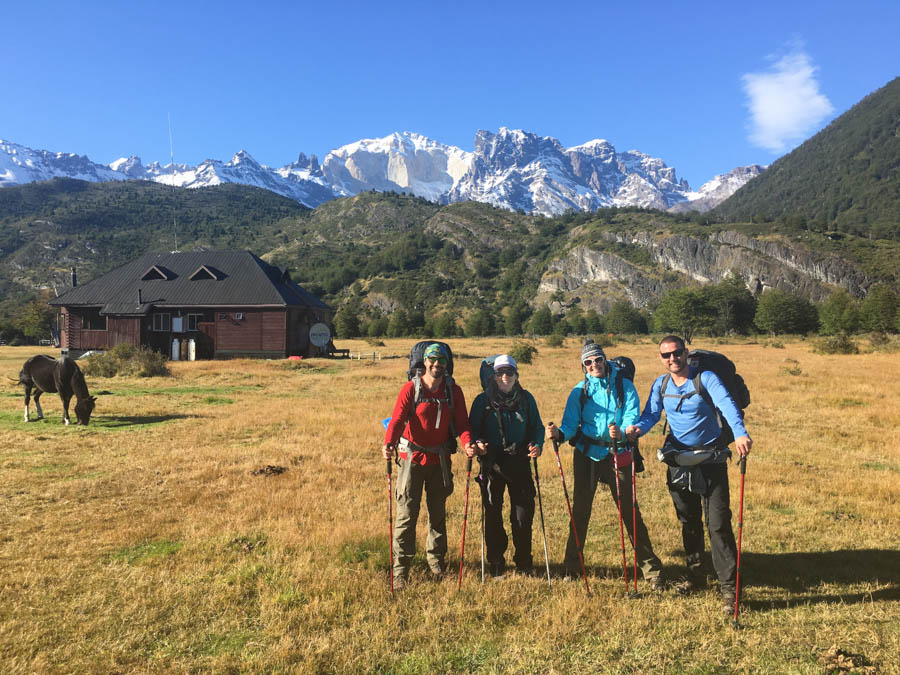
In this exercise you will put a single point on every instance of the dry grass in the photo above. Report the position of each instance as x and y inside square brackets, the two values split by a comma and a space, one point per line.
[144, 542]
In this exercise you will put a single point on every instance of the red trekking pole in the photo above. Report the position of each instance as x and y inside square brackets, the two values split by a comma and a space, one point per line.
[571, 517]
[462, 548]
[634, 513]
[615, 467]
[391, 522]
[737, 583]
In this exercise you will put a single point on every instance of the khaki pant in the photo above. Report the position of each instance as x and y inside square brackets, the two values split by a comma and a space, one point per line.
[413, 478]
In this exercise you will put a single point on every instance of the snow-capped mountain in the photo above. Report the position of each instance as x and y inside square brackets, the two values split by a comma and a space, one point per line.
[714, 192]
[517, 170]
[511, 169]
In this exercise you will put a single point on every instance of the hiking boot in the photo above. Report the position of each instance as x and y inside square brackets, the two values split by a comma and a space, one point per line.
[498, 570]
[690, 584]
[438, 568]
[728, 604]
[571, 575]
[400, 581]
[657, 584]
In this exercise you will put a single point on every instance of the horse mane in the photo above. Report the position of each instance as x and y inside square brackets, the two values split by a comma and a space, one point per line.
[79, 386]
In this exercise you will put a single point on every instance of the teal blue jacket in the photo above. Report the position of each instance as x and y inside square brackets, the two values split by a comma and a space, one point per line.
[600, 410]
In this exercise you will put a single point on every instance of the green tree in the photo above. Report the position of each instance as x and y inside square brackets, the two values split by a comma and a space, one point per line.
[35, 319]
[839, 313]
[879, 309]
[443, 325]
[377, 327]
[593, 324]
[778, 312]
[515, 316]
[541, 322]
[479, 324]
[576, 321]
[399, 325]
[346, 321]
[683, 311]
[624, 318]
[733, 306]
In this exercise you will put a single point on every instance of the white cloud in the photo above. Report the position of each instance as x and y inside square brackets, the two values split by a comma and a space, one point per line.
[785, 103]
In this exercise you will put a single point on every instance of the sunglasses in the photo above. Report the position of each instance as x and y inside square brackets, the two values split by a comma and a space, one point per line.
[677, 354]
[589, 362]
[508, 372]
[437, 359]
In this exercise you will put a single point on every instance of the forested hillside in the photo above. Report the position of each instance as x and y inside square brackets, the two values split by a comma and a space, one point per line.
[395, 263]
[845, 178]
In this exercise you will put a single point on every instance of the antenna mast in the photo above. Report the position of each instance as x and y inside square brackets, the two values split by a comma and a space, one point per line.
[172, 157]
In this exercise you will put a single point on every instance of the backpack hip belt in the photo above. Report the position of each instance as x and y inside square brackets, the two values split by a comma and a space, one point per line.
[442, 451]
[589, 441]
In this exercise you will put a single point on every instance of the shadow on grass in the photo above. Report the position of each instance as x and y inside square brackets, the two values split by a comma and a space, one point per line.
[111, 422]
[803, 575]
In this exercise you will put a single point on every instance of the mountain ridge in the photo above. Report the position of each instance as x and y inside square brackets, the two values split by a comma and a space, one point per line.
[511, 169]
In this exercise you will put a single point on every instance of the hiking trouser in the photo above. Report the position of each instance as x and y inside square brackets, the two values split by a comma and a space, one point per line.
[714, 505]
[514, 475]
[587, 474]
[412, 480]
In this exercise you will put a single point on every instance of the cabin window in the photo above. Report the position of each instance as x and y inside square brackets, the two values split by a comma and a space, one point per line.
[193, 320]
[92, 320]
[162, 322]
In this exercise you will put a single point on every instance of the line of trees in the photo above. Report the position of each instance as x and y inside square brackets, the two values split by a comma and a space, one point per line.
[726, 308]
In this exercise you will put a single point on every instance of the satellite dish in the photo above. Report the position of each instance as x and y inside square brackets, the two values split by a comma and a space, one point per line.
[319, 334]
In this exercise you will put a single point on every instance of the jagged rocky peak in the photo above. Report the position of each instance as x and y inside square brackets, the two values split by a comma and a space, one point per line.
[130, 166]
[243, 157]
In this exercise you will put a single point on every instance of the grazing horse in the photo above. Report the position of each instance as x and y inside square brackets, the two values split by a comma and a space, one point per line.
[46, 374]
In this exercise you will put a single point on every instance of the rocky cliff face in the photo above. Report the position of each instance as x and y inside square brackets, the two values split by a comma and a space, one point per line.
[599, 278]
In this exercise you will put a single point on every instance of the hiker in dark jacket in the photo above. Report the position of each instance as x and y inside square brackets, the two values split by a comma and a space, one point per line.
[593, 418]
[508, 430]
[702, 487]
[425, 434]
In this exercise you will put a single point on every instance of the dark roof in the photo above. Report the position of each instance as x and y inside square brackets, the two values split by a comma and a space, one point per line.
[193, 279]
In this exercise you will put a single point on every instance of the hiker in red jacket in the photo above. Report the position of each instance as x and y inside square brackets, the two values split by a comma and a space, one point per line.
[429, 415]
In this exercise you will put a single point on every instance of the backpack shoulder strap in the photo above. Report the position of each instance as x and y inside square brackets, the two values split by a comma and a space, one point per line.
[620, 389]
[700, 388]
[665, 383]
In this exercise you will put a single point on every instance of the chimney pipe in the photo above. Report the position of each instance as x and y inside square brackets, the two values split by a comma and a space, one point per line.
[74, 278]
[140, 298]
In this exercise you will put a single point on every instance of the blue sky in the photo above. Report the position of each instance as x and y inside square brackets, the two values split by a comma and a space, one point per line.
[706, 86]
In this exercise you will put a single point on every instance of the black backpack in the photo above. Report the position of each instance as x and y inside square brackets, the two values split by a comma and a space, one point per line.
[702, 360]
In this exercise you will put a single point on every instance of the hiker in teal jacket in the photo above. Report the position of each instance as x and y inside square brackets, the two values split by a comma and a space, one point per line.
[507, 427]
[592, 419]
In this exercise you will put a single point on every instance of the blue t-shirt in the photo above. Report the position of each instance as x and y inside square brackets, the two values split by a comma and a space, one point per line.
[692, 420]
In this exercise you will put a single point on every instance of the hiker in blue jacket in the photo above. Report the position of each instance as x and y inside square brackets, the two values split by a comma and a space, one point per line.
[509, 432]
[592, 419]
[696, 454]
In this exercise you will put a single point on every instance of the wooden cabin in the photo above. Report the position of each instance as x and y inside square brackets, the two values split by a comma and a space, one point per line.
[229, 303]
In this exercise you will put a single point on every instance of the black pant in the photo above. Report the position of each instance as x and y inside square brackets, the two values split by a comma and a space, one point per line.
[512, 473]
[587, 474]
[716, 509]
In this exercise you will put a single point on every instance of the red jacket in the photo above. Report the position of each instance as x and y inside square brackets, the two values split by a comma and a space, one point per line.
[423, 428]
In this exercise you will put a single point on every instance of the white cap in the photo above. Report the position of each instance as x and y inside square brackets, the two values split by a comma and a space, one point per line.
[505, 361]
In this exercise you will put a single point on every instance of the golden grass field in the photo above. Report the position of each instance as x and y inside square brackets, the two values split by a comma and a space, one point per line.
[144, 542]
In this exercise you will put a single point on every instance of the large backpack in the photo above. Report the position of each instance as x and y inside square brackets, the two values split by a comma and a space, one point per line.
[702, 360]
